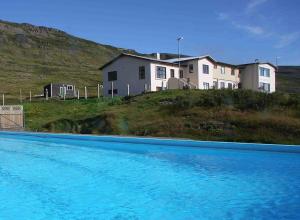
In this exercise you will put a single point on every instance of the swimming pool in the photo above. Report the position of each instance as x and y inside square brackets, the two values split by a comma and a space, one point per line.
[74, 177]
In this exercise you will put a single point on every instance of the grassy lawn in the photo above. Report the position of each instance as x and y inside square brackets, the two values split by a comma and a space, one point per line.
[202, 115]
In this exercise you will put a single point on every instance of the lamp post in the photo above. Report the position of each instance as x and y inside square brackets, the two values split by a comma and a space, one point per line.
[178, 40]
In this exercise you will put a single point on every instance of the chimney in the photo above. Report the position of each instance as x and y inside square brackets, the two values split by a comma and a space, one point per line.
[158, 56]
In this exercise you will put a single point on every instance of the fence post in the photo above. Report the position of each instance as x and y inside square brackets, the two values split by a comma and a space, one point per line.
[128, 90]
[112, 90]
[21, 96]
[78, 94]
[46, 94]
[98, 91]
[30, 95]
[3, 99]
[85, 93]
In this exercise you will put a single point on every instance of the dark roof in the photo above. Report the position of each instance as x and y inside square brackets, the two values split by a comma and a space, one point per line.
[226, 64]
[138, 57]
[241, 66]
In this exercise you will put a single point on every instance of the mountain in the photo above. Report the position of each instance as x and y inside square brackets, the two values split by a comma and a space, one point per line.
[288, 79]
[32, 56]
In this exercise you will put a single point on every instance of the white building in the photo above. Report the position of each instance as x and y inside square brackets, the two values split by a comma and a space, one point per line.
[132, 75]
[258, 77]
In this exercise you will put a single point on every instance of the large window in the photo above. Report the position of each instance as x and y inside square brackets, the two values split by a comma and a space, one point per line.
[232, 72]
[222, 70]
[113, 76]
[142, 72]
[205, 69]
[222, 85]
[230, 86]
[265, 87]
[181, 74]
[69, 87]
[215, 84]
[172, 73]
[161, 72]
[206, 85]
[191, 68]
[264, 72]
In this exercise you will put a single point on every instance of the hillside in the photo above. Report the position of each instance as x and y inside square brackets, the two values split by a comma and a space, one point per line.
[288, 79]
[220, 115]
[32, 56]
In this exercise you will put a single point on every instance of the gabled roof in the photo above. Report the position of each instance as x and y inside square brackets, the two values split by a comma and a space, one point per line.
[241, 66]
[176, 60]
[138, 57]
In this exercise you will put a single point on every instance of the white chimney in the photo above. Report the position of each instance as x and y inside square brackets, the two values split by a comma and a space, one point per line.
[158, 56]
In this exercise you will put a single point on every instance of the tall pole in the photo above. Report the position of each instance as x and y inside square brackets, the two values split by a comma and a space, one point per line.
[178, 40]
[3, 99]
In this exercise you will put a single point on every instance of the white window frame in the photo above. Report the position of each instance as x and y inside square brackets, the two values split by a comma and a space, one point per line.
[204, 69]
[223, 70]
[205, 85]
[160, 68]
[222, 85]
[264, 72]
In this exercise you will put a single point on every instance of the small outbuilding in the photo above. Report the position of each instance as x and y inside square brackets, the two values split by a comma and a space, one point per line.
[60, 90]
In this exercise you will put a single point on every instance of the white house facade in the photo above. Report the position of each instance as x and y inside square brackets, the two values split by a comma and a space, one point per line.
[130, 74]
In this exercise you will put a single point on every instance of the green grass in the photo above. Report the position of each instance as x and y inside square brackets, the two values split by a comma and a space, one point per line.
[222, 115]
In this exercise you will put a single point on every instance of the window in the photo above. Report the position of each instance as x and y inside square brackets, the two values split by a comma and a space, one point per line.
[115, 92]
[205, 85]
[161, 72]
[222, 85]
[181, 74]
[142, 72]
[265, 87]
[222, 70]
[232, 72]
[205, 69]
[172, 73]
[112, 76]
[230, 86]
[69, 87]
[215, 85]
[158, 89]
[191, 68]
[264, 72]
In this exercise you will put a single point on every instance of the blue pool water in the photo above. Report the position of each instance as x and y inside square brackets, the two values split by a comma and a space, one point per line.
[73, 177]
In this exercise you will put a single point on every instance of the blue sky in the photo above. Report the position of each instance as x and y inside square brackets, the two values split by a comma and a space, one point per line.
[235, 31]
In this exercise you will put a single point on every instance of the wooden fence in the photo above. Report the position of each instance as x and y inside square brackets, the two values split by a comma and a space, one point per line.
[11, 117]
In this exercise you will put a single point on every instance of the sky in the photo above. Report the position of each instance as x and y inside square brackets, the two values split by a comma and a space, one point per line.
[234, 31]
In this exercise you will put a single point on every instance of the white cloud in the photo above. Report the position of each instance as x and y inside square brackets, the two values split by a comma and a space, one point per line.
[287, 39]
[254, 3]
[256, 30]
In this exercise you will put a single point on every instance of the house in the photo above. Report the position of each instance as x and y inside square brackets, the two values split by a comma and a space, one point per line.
[60, 90]
[130, 74]
[258, 76]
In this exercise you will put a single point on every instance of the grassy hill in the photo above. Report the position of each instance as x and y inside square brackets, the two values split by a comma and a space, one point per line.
[32, 56]
[288, 79]
[204, 115]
